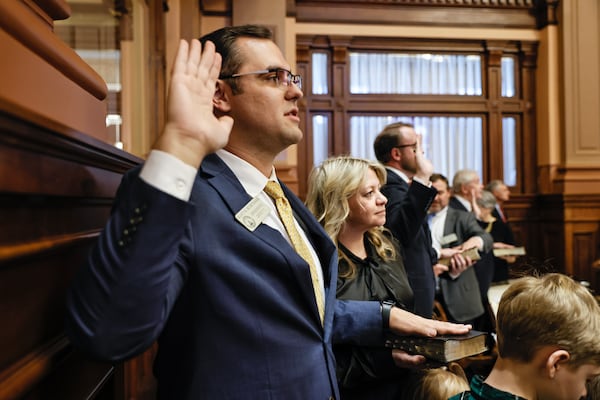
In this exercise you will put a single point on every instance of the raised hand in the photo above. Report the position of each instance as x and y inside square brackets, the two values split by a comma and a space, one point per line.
[192, 130]
[424, 166]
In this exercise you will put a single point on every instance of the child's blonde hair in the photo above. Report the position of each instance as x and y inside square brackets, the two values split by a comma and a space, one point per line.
[439, 384]
[552, 310]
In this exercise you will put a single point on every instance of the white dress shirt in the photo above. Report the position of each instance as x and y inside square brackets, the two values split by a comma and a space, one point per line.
[436, 225]
[466, 203]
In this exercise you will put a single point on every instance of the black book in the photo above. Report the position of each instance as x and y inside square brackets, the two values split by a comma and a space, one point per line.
[443, 348]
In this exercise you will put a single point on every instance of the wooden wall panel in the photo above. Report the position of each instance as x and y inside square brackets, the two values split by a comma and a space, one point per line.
[584, 244]
[58, 177]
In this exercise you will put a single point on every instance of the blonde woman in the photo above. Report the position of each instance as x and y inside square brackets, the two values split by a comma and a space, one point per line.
[344, 194]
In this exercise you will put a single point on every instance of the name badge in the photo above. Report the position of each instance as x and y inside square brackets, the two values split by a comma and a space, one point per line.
[449, 239]
[253, 214]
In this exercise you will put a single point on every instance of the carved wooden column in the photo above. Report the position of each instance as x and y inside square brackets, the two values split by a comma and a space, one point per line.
[494, 53]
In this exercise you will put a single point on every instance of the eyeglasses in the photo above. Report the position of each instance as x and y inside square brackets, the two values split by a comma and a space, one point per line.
[413, 145]
[281, 76]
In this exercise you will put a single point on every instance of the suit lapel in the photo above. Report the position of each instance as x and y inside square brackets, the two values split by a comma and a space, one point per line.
[222, 179]
[450, 221]
[394, 179]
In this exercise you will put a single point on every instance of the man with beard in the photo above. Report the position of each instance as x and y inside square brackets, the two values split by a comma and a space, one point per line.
[409, 194]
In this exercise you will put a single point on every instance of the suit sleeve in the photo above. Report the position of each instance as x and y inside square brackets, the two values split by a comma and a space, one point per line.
[358, 322]
[472, 228]
[406, 209]
[120, 300]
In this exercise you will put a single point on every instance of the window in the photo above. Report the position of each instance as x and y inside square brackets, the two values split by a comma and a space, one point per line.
[464, 100]
[423, 73]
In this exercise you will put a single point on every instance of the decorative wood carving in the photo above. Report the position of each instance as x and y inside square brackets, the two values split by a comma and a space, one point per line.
[481, 13]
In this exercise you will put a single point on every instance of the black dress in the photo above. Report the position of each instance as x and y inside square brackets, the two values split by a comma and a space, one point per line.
[367, 372]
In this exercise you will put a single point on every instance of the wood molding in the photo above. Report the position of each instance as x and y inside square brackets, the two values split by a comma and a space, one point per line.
[574, 179]
[21, 23]
[526, 4]
[55, 9]
[17, 379]
[11, 252]
[478, 13]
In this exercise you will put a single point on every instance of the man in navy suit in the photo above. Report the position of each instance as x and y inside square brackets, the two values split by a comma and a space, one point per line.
[195, 255]
[409, 195]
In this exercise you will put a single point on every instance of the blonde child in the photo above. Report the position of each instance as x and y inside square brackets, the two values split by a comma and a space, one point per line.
[438, 384]
[548, 345]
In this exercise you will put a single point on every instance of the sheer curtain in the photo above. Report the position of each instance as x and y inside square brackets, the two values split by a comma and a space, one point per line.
[415, 73]
[451, 143]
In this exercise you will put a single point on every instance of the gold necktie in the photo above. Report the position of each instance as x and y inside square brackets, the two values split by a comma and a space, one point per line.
[273, 189]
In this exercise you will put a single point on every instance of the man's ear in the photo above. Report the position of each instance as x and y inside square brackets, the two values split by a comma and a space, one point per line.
[555, 361]
[221, 97]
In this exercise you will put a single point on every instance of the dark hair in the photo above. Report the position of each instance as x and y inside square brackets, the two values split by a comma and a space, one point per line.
[387, 139]
[439, 177]
[224, 40]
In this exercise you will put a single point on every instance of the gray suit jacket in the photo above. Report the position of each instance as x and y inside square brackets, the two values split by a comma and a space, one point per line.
[461, 295]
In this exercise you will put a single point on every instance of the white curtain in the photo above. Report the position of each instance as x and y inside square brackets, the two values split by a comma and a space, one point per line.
[319, 75]
[415, 73]
[509, 149]
[451, 143]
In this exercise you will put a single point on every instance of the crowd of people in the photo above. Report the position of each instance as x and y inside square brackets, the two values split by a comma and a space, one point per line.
[252, 294]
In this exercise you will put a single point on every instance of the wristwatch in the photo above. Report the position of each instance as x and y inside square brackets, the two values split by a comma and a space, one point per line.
[386, 309]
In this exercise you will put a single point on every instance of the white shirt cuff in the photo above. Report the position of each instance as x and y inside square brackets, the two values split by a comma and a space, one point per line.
[481, 243]
[421, 181]
[169, 174]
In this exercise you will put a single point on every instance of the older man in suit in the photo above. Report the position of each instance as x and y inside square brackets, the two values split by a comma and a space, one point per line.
[502, 232]
[451, 228]
[466, 191]
[207, 253]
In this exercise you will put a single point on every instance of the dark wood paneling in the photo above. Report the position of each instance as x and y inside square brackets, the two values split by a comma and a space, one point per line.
[584, 250]
[57, 182]
[56, 196]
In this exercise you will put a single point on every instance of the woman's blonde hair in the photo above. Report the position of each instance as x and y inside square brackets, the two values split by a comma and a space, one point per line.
[330, 186]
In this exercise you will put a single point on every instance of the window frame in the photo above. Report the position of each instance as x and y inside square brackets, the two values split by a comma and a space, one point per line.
[341, 104]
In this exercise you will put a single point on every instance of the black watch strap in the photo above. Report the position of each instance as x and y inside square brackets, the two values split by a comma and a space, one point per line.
[386, 309]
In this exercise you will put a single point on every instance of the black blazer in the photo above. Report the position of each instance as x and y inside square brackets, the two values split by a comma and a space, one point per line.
[406, 218]
[501, 232]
